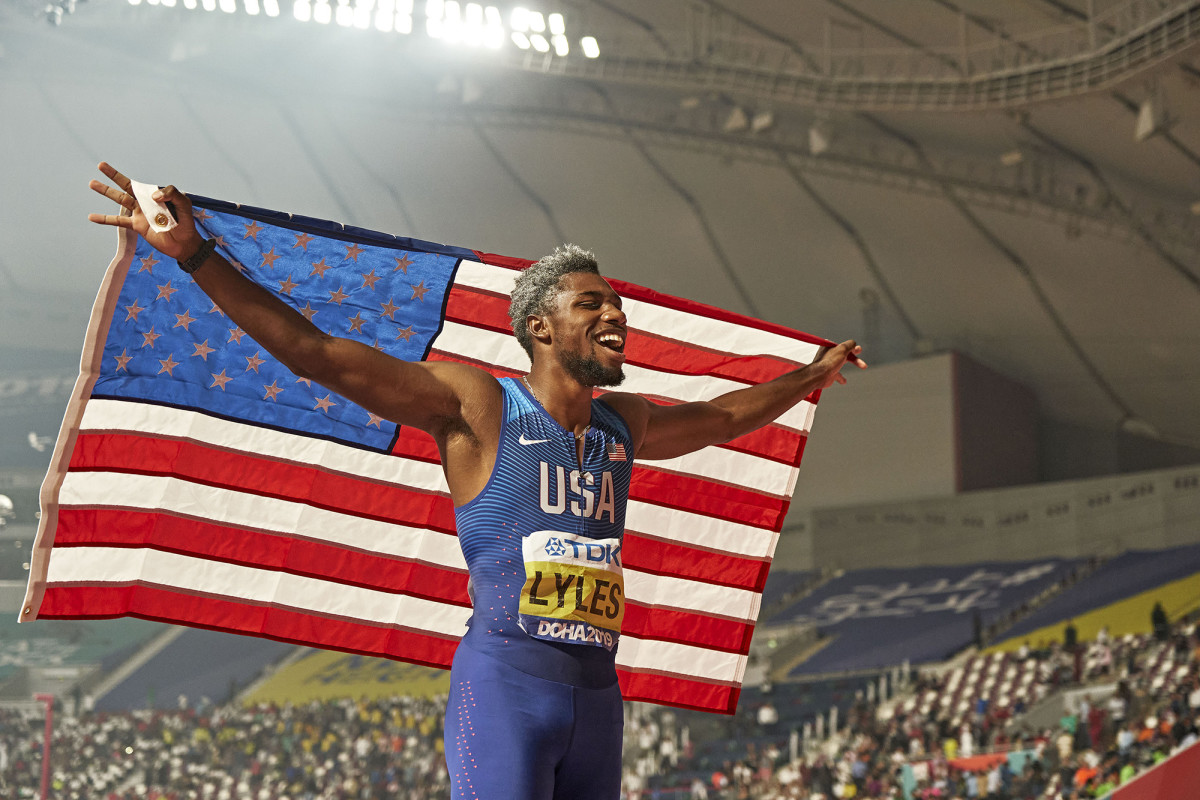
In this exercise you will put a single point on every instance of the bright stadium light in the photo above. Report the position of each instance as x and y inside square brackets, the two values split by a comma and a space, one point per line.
[362, 14]
[322, 12]
[452, 30]
[435, 9]
[270, 7]
[591, 47]
[302, 10]
[558, 25]
[169, 3]
[251, 6]
[229, 6]
[561, 48]
[539, 43]
[493, 17]
[209, 5]
[519, 21]
[344, 15]
[135, 2]
[403, 22]
[385, 19]
[537, 23]
[190, 5]
[520, 40]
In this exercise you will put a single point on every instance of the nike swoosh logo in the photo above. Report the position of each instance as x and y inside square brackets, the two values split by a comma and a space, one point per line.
[522, 440]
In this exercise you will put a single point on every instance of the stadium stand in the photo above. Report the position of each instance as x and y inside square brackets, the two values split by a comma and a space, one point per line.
[1127, 575]
[59, 643]
[390, 748]
[876, 618]
[198, 664]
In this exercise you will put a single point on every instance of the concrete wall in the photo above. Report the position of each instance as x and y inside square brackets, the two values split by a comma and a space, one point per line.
[1099, 516]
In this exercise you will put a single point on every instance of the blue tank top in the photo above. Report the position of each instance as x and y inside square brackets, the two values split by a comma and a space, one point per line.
[543, 542]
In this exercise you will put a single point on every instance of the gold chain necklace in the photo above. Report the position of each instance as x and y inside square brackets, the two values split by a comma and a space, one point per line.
[578, 436]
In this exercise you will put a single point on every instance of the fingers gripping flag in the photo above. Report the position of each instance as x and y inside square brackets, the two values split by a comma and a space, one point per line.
[197, 481]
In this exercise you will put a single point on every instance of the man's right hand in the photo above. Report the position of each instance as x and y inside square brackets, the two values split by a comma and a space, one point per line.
[180, 242]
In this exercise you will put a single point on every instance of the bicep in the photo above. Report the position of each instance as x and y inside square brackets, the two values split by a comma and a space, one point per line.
[424, 395]
[676, 430]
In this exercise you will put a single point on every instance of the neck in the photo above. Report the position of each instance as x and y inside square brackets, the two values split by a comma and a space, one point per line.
[565, 399]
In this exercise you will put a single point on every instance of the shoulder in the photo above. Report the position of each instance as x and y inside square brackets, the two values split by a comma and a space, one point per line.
[633, 409]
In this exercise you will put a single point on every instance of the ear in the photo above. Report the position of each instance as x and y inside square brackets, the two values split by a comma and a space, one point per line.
[539, 328]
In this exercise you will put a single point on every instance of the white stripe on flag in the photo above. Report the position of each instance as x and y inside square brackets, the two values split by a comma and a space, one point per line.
[235, 509]
[666, 322]
[683, 659]
[502, 350]
[100, 565]
[121, 416]
[176, 423]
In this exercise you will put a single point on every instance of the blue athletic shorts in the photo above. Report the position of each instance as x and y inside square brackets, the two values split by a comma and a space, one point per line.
[511, 736]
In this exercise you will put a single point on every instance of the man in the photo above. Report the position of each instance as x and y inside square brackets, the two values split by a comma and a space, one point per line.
[539, 477]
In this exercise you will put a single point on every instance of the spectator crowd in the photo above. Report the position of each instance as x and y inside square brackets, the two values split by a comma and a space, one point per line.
[391, 748]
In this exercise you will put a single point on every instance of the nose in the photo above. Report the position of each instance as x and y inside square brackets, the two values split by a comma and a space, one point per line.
[613, 313]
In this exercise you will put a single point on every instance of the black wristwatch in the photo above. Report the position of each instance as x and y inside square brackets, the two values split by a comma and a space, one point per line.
[193, 262]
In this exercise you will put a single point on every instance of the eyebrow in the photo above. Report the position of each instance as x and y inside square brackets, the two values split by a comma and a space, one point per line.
[599, 294]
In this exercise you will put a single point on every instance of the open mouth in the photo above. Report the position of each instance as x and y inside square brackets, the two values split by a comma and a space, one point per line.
[612, 340]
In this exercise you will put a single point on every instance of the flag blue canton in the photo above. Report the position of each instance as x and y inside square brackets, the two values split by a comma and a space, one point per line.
[168, 343]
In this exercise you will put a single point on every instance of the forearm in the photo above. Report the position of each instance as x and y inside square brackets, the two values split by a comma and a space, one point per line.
[283, 331]
[746, 410]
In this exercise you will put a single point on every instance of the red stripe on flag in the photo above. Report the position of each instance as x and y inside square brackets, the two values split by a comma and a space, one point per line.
[678, 690]
[657, 556]
[146, 455]
[686, 627]
[488, 310]
[121, 527]
[707, 497]
[265, 477]
[284, 624]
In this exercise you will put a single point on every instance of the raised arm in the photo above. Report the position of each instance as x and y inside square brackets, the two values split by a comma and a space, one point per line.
[670, 431]
[427, 396]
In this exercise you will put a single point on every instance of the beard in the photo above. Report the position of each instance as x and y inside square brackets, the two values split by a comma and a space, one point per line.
[588, 370]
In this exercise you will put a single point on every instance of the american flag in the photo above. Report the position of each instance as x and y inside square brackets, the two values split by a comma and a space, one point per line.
[197, 481]
[616, 451]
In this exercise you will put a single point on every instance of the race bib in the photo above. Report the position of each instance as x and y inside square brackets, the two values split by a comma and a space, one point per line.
[574, 591]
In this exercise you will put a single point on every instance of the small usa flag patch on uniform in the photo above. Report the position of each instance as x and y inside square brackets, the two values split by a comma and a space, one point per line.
[616, 451]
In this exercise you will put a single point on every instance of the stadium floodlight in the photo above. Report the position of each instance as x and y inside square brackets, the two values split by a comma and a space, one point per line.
[190, 5]
[209, 5]
[251, 6]
[539, 43]
[591, 48]
[344, 15]
[384, 20]
[229, 6]
[302, 10]
[492, 14]
[558, 25]
[270, 7]
[561, 48]
[403, 22]
[362, 14]
[537, 22]
[519, 20]
[322, 12]
[452, 27]
[135, 2]
[435, 9]
[520, 40]
[152, 2]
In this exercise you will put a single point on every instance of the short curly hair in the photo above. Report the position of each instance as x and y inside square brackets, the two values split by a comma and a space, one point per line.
[537, 287]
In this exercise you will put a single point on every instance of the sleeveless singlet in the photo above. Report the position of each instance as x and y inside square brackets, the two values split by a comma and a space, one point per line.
[543, 542]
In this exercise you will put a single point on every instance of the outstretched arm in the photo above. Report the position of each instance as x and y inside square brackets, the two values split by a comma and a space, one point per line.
[426, 396]
[670, 431]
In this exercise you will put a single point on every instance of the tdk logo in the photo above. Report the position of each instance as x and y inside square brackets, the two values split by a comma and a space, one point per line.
[600, 553]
